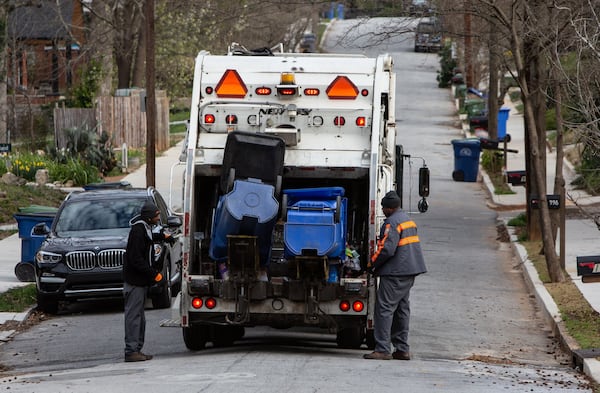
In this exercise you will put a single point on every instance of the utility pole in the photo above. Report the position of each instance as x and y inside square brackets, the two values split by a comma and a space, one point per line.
[150, 97]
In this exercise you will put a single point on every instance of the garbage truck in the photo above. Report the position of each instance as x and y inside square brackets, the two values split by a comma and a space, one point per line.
[286, 158]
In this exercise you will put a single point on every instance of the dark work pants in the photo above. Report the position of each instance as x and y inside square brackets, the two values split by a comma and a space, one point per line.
[392, 313]
[135, 319]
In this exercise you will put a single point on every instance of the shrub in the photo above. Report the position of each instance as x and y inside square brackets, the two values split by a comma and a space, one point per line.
[518, 221]
[71, 169]
[589, 171]
[24, 165]
[447, 65]
[3, 160]
[84, 144]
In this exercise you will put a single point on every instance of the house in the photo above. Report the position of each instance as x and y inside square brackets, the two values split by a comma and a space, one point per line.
[44, 46]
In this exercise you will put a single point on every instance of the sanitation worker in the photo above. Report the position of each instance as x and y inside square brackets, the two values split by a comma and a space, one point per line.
[398, 260]
[138, 275]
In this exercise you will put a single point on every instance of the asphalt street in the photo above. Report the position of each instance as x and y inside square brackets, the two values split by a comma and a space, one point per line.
[581, 235]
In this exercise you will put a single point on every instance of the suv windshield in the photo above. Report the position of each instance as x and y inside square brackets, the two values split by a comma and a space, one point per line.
[93, 217]
[426, 28]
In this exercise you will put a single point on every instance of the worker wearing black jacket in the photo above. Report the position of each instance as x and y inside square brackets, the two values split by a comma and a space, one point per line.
[138, 275]
[398, 260]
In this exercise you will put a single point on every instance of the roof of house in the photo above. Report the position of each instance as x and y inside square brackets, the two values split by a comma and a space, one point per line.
[47, 20]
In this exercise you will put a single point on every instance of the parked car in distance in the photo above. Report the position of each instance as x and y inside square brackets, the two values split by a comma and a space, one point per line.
[428, 35]
[82, 255]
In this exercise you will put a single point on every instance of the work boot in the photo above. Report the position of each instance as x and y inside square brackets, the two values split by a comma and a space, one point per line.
[148, 357]
[399, 355]
[377, 356]
[135, 357]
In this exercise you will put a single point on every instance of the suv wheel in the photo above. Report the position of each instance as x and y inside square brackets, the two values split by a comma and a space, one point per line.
[163, 299]
[47, 304]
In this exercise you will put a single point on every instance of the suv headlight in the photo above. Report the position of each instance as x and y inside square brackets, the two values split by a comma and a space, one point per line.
[47, 258]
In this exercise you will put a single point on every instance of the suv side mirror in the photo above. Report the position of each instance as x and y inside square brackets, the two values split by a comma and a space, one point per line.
[40, 229]
[424, 181]
[174, 221]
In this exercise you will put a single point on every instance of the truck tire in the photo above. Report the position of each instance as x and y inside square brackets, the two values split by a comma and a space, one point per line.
[195, 337]
[47, 304]
[350, 338]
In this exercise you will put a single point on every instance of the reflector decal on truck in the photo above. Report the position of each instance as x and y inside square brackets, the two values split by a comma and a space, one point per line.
[231, 85]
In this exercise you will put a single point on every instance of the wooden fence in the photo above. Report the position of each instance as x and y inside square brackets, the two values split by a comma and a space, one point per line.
[121, 117]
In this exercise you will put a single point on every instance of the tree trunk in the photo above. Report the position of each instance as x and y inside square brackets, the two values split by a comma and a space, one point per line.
[493, 89]
[140, 58]
[4, 136]
[537, 160]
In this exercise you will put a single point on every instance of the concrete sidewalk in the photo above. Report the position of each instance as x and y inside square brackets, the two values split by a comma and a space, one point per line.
[581, 233]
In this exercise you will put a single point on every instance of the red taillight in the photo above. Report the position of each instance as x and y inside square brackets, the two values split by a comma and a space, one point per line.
[209, 119]
[231, 119]
[197, 302]
[286, 91]
[358, 306]
[208, 90]
[210, 303]
[361, 121]
[589, 265]
[364, 92]
[344, 305]
[263, 91]
[339, 121]
[311, 92]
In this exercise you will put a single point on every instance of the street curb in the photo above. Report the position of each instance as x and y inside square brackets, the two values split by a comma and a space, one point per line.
[20, 317]
[550, 311]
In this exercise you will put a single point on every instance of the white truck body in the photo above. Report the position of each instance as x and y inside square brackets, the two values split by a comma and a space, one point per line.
[336, 116]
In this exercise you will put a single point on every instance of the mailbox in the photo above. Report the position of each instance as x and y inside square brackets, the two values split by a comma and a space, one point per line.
[516, 178]
[588, 265]
[552, 200]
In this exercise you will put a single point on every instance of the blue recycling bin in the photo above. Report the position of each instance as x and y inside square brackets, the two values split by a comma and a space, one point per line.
[315, 222]
[502, 118]
[30, 243]
[466, 159]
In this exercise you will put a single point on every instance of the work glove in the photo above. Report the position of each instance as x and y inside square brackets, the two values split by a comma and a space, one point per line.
[158, 277]
[169, 238]
[370, 268]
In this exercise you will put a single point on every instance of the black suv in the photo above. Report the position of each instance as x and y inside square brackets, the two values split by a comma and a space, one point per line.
[82, 256]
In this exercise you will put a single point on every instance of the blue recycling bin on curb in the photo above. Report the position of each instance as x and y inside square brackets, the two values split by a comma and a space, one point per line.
[30, 243]
[502, 118]
[466, 159]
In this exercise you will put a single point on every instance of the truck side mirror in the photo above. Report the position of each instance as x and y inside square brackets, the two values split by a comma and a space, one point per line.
[424, 181]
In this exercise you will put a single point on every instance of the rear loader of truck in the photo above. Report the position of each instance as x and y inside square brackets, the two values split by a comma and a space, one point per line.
[287, 157]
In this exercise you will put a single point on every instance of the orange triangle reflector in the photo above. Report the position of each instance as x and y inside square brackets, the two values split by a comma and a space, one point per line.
[231, 85]
[342, 88]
